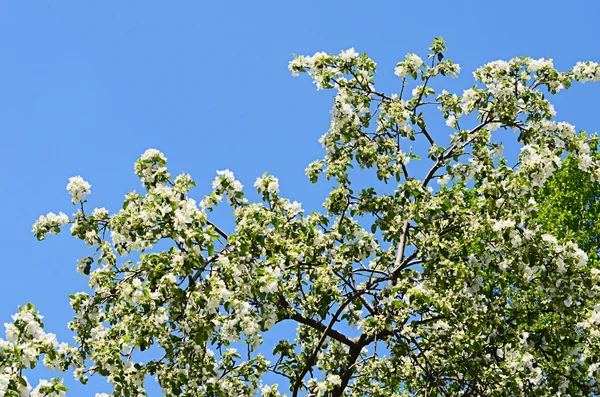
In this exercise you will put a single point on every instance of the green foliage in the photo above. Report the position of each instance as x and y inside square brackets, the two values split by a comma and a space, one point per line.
[569, 206]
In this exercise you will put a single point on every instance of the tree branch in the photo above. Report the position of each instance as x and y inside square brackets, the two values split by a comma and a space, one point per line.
[326, 333]
[332, 333]
[218, 230]
[401, 246]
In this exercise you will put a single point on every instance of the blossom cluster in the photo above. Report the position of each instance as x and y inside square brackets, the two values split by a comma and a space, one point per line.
[586, 71]
[49, 224]
[25, 343]
[78, 188]
[397, 288]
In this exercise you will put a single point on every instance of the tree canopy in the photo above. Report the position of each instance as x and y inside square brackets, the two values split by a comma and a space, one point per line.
[441, 274]
[570, 206]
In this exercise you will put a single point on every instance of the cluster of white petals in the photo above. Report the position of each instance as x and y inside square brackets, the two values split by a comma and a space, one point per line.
[267, 184]
[586, 71]
[78, 188]
[410, 66]
[397, 288]
[25, 344]
[49, 224]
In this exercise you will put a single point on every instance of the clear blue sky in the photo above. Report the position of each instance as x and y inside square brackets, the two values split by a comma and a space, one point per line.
[87, 86]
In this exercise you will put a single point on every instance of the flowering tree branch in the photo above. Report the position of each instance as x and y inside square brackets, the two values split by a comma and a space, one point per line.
[398, 288]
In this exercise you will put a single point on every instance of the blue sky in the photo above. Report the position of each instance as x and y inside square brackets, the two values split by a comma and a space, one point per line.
[87, 86]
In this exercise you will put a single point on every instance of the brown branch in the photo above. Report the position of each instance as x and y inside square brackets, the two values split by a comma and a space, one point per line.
[354, 290]
[430, 174]
[429, 138]
[327, 332]
[208, 262]
[354, 353]
[449, 154]
[332, 333]
[221, 232]
[401, 246]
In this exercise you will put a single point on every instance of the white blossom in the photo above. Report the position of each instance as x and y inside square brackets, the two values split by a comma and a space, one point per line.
[78, 188]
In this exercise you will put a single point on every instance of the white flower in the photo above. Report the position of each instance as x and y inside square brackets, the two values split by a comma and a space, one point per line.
[44, 383]
[414, 60]
[493, 126]
[299, 62]
[498, 150]
[535, 65]
[78, 188]
[223, 175]
[585, 161]
[451, 121]
[400, 71]
[170, 278]
[266, 390]
[152, 153]
[23, 389]
[568, 302]
[270, 184]
[100, 213]
[334, 379]
[348, 54]
[83, 263]
[581, 256]
[588, 71]
[549, 239]
[503, 224]
[12, 332]
[269, 287]
[409, 66]
[321, 388]
[50, 220]
[273, 187]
